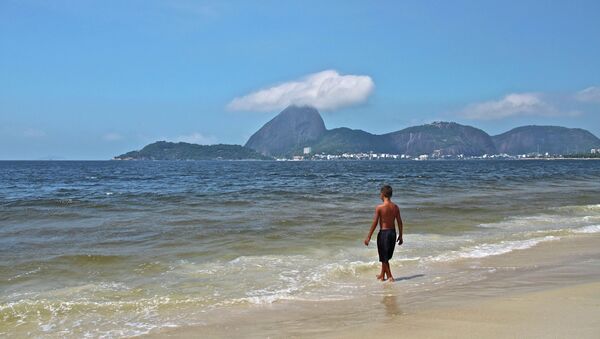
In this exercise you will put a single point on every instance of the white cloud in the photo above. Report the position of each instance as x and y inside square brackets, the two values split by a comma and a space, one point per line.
[112, 136]
[515, 104]
[33, 133]
[327, 90]
[195, 138]
[590, 94]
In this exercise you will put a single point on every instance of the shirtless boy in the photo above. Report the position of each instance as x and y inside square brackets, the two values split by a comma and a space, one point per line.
[385, 215]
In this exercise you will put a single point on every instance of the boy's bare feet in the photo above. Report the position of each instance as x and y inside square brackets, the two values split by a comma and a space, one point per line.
[380, 277]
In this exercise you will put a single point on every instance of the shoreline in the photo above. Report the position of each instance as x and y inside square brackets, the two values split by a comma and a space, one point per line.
[281, 160]
[530, 292]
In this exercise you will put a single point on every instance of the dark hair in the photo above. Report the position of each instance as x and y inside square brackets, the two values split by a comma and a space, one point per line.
[386, 190]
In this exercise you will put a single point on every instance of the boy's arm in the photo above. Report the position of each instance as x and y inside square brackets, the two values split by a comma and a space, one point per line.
[373, 225]
[400, 226]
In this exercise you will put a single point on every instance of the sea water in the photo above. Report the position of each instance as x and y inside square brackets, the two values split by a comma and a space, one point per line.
[120, 248]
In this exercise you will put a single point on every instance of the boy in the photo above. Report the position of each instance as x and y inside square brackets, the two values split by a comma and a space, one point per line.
[386, 214]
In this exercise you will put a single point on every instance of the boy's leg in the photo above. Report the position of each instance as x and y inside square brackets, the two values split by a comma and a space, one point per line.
[381, 275]
[388, 271]
[384, 271]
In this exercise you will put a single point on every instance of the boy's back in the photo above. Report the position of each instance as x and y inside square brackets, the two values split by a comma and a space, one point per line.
[388, 212]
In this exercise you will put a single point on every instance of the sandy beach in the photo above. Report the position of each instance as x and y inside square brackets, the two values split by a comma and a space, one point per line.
[567, 312]
[549, 291]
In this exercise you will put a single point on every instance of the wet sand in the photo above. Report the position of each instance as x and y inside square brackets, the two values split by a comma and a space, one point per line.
[549, 291]
[568, 312]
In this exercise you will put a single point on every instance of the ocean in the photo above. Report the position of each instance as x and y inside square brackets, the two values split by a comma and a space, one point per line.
[122, 248]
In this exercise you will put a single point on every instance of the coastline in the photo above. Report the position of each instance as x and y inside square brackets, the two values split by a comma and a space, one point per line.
[549, 290]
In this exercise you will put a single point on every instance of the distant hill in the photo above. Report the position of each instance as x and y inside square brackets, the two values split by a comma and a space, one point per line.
[294, 127]
[298, 127]
[163, 150]
[551, 139]
[449, 138]
[339, 140]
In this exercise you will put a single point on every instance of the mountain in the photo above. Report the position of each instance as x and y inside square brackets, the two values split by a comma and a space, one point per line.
[293, 128]
[297, 127]
[340, 140]
[551, 139]
[163, 150]
[449, 138]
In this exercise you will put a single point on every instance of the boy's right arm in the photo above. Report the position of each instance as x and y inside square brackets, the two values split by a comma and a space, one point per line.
[373, 225]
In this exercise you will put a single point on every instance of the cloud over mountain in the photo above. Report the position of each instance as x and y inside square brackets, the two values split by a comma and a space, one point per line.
[514, 104]
[326, 90]
[112, 136]
[195, 138]
[590, 94]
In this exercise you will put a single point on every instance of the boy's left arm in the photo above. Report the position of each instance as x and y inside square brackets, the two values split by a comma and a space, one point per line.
[373, 225]
[400, 225]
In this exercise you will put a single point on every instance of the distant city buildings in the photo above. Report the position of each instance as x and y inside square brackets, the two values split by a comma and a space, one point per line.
[435, 155]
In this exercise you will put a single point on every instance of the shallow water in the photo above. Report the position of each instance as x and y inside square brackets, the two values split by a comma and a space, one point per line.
[121, 248]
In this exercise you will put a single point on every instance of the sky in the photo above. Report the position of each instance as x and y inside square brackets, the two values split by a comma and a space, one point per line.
[95, 79]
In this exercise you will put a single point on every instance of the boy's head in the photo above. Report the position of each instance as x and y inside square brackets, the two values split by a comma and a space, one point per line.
[386, 191]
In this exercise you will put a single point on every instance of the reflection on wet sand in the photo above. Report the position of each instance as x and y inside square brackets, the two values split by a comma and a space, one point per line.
[390, 303]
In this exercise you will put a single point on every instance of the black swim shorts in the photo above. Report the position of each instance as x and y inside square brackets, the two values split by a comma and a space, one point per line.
[386, 241]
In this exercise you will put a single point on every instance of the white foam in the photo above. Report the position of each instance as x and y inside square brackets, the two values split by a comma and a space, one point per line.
[25, 274]
[67, 319]
[486, 250]
[587, 229]
[581, 208]
[542, 221]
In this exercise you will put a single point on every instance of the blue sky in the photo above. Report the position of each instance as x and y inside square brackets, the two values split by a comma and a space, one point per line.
[94, 79]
